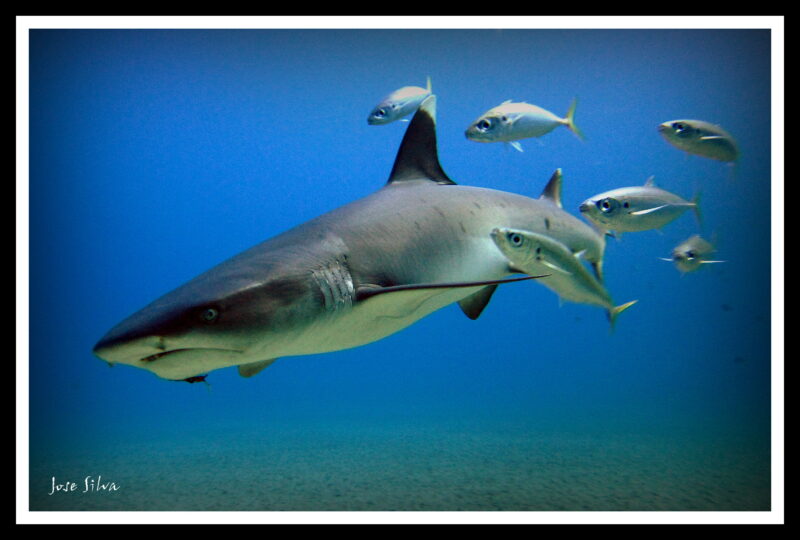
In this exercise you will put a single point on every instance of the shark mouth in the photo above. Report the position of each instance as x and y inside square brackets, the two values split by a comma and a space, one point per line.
[154, 357]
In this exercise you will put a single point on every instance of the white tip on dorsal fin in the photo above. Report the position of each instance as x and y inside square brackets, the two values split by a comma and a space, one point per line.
[651, 181]
[418, 158]
[552, 191]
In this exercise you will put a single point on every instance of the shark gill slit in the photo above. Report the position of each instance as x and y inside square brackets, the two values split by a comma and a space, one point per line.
[336, 285]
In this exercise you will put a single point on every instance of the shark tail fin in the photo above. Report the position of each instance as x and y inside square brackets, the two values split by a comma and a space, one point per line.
[571, 120]
[615, 311]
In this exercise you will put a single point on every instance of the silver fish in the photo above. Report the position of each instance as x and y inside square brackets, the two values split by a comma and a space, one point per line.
[637, 208]
[512, 121]
[398, 104]
[700, 138]
[692, 253]
[538, 254]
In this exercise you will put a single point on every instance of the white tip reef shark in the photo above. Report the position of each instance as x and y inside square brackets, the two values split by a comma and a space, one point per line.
[349, 277]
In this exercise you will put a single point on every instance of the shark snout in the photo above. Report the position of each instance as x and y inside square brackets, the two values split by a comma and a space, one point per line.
[126, 348]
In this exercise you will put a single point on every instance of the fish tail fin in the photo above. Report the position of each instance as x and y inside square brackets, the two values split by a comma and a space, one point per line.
[697, 213]
[615, 311]
[571, 120]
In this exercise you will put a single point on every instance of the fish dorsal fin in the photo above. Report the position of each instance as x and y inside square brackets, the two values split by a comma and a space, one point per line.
[418, 158]
[248, 370]
[473, 305]
[552, 191]
[651, 181]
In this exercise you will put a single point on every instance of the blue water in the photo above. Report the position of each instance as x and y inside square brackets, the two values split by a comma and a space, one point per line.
[155, 155]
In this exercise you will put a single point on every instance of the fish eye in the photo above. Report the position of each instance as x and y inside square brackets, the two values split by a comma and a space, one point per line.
[210, 315]
[679, 127]
[515, 239]
[690, 255]
[626, 204]
[607, 205]
[484, 124]
[380, 112]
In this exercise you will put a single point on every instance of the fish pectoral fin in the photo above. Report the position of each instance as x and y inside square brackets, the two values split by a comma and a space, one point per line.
[597, 267]
[711, 137]
[474, 304]
[253, 368]
[709, 262]
[516, 146]
[648, 211]
[556, 268]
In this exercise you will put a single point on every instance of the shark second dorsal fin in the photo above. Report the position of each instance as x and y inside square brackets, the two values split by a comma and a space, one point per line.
[417, 158]
[552, 191]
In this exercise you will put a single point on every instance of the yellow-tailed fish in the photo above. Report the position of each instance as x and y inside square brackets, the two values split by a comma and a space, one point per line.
[399, 104]
[637, 208]
[700, 138]
[692, 253]
[537, 254]
[511, 121]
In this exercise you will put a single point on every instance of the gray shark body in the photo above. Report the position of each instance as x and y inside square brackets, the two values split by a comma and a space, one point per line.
[347, 278]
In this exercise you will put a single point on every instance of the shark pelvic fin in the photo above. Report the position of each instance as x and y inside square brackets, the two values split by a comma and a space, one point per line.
[418, 158]
[253, 368]
[474, 304]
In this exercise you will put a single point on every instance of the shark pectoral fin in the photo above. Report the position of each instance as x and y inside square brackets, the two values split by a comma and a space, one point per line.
[248, 370]
[369, 291]
[473, 305]
[649, 210]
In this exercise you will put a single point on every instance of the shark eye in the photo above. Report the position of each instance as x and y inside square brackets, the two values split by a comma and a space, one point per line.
[515, 239]
[210, 315]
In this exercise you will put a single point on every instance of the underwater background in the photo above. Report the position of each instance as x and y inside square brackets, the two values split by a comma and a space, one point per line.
[156, 154]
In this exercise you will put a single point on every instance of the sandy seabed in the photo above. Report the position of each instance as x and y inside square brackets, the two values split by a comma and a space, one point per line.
[409, 469]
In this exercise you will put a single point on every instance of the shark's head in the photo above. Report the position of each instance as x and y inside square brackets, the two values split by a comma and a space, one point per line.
[221, 318]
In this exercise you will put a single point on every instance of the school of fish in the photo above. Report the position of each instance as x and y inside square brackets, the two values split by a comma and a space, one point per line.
[611, 213]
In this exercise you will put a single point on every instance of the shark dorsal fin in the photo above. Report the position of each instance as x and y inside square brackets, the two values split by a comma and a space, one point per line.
[552, 191]
[418, 158]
